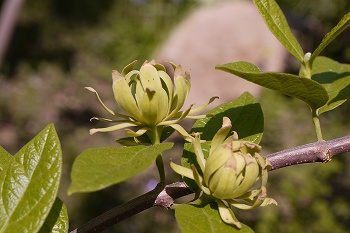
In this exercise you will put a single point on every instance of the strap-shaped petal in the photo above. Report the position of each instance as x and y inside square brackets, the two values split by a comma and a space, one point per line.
[108, 120]
[138, 133]
[168, 86]
[124, 97]
[182, 87]
[214, 181]
[202, 107]
[158, 66]
[197, 117]
[173, 65]
[183, 133]
[180, 117]
[128, 68]
[269, 201]
[198, 151]
[101, 103]
[251, 174]
[227, 182]
[264, 173]
[244, 206]
[153, 106]
[227, 215]
[112, 128]
[149, 77]
[216, 160]
[221, 134]
[250, 205]
[148, 106]
[199, 180]
[183, 171]
[131, 76]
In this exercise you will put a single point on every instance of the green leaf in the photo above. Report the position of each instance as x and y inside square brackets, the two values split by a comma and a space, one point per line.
[204, 219]
[57, 220]
[307, 90]
[330, 36]
[29, 183]
[246, 118]
[5, 157]
[278, 25]
[98, 168]
[335, 78]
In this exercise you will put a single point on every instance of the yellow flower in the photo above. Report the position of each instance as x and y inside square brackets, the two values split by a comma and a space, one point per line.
[230, 173]
[150, 100]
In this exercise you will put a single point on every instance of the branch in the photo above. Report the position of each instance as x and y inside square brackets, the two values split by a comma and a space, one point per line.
[321, 151]
[164, 195]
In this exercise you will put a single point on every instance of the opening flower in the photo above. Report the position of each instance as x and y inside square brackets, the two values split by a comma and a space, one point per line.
[230, 174]
[151, 101]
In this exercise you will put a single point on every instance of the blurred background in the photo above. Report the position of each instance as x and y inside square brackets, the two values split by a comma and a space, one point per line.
[57, 47]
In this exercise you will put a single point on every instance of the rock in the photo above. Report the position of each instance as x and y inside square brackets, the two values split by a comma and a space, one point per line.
[220, 33]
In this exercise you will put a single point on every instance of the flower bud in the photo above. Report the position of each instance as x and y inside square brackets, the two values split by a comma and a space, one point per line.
[230, 169]
[230, 173]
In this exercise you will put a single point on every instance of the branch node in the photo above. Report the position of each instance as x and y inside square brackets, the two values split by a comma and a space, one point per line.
[164, 200]
[328, 156]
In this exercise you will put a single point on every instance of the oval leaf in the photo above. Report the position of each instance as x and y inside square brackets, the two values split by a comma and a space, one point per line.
[98, 168]
[335, 78]
[5, 157]
[330, 36]
[307, 90]
[277, 23]
[204, 219]
[29, 183]
[57, 220]
[246, 118]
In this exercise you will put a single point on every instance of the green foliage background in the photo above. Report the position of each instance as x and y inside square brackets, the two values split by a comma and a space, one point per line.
[60, 46]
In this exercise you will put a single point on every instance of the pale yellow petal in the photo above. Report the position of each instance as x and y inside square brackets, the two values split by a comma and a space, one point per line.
[183, 171]
[202, 107]
[124, 97]
[221, 134]
[227, 215]
[112, 128]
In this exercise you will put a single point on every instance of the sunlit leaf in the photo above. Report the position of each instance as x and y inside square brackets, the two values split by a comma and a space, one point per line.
[29, 183]
[246, 118]
[330, 36]
[307, 90]
[278, 25]
[5, 157]
[57, 220]
[98, 168]
[204, 219]
[335, 78]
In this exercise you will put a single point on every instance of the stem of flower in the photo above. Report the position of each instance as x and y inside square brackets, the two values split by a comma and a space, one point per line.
[154, 134]
[160, 166]
[317, 124]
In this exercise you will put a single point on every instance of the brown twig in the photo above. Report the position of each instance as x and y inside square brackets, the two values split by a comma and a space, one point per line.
[321, 151]
[164, 195]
